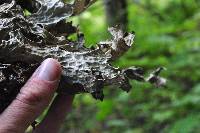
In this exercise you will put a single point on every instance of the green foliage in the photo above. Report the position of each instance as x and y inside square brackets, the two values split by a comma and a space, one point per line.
[186, 124]
[167, 34]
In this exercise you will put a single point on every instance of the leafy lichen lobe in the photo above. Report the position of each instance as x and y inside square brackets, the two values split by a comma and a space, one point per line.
[27, 40]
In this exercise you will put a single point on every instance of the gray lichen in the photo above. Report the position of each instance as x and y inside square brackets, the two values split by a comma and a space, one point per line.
[27, 40]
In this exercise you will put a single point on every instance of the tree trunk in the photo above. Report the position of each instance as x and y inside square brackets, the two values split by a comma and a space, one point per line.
[116, 12]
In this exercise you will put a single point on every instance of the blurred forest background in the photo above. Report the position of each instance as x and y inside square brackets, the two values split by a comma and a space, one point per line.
[167, 34]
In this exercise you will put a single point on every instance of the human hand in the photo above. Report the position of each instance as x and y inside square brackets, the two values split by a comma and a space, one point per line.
[32, 100]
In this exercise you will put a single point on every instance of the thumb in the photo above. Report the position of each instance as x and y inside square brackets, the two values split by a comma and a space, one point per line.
[33, 98]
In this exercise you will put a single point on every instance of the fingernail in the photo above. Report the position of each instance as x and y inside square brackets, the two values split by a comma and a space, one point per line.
[48, 70]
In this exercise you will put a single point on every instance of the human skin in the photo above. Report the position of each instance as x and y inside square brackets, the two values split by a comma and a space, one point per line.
[34, 98]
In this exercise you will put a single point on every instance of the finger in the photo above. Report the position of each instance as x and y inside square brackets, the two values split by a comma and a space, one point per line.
[56, 114]
[32, 99]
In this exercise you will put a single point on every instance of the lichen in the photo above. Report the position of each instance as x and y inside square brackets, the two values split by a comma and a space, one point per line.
[27, 40]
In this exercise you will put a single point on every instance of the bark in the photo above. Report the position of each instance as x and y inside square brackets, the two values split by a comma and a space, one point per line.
[116, 13]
